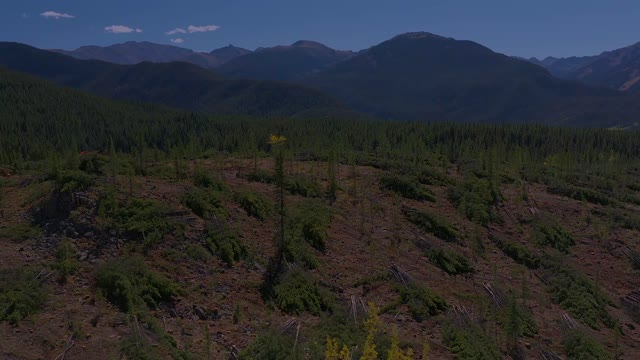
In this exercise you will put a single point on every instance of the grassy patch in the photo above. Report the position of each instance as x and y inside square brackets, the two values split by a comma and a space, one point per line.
[21, 294]
[66, 262]
[431, 223]
[451, 262]
[303, 186]
[204, 180]
[131, 286]
[73, 180]
[272, 345]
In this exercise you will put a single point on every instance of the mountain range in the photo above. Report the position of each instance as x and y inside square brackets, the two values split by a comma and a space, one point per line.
[616, 69]
[133, 52]
[176, 84]
[413, 76]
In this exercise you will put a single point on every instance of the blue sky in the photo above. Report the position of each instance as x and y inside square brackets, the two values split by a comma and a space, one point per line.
[515, 27]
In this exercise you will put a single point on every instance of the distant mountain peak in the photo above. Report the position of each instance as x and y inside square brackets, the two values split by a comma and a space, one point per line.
[420, 35]
[309, 44]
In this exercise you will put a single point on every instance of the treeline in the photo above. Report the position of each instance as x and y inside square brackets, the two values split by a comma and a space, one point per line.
[38, 119]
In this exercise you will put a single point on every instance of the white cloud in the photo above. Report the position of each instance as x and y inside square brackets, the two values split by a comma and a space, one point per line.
[177, 41]
[56, 15]
[121, 29]
[25, 15]
[176, 31]
[195, 29]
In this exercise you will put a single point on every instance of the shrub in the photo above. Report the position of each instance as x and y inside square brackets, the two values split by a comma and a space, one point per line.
[140, 218]
[422, 302]
[66, 262]
[517, 319]
[203, 203]
[137, 347]
[202, 179]
[303, 186]
[431, 223]
[225, 243]
[73, 180]
[406, 187]
[518, 253]
[451, 262]
[311, 220]
[272, 345]
[131, 286]
[578, 295]
[21, 294]
[579, 346]
[19, 232]
[468, 341]
[254, 204]
[297, 292]
[261, 176]
[475, 199]
[580, 194]
[197, 252]
[430, 176]
[553, 235]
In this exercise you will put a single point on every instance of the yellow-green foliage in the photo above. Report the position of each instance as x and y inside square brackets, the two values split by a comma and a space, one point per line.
[422, 302]
[372, 324]
[395, 352]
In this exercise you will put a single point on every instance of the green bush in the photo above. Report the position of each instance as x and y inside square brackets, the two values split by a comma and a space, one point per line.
[580, 194]
[272, 345]
[548, 233]
[261, 176]
[203, 179]
[19, 232]
[131, 286]
[430, 176]
[137, 347]
[518, 253]
[469, 341]
[517, 319]
[422, 302]
[73, 180]
[431, 223]
[303, 186]
[297, 292]
[578, 295]
[406, 187]
[204, 203]
[451, 262]
[197, 252]
[579, 346]
[311, 220]
[93, 164]
[475, 198]
[66, 262]
[225, 243]
[254, 204]
[21, 294]
[140, 218]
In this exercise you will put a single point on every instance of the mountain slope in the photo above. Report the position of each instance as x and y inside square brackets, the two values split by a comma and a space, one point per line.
[179, 85]
[616, 69]
[284, 62]
[428, 77]
[228, 53]
[133, 52]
